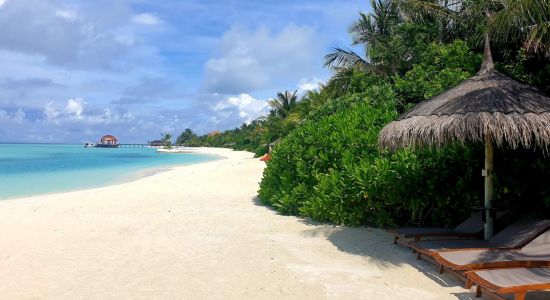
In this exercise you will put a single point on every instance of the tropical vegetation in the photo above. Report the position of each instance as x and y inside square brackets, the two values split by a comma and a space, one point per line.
[326, 163]
[166, 139]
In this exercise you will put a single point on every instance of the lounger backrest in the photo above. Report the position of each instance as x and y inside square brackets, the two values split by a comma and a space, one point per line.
[473, 224]
[542, 242]
[519, 233]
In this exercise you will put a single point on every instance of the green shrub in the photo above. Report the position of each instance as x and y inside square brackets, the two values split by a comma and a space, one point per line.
[330, 169]
[441, 66]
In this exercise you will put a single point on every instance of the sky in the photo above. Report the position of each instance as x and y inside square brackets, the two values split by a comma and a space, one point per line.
[74, 70]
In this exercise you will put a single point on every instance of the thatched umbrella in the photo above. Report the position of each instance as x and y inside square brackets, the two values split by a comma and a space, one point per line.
[489, 107]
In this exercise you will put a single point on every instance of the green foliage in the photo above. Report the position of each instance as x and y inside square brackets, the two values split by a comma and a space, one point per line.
[283, 104]
[186, 137]
[440, 67]
[261, 150]
[167, 139]
[527, 21]
[330, 169]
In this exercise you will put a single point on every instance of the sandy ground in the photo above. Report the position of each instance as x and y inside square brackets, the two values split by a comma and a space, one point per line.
[197, 232]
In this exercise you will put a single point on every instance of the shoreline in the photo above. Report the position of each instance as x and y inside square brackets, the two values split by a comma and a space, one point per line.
[129, 177]
[198, 232]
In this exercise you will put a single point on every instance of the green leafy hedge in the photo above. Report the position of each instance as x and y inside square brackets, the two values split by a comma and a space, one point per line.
[330, 169]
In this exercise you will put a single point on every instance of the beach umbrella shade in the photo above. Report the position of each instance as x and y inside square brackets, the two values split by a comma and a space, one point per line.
[490, 107]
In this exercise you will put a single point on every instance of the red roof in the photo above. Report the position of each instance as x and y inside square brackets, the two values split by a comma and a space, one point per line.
[109, 138]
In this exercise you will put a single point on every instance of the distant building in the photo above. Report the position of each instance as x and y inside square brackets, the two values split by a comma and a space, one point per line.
[158, 143]
[215, 132]
[108, 141]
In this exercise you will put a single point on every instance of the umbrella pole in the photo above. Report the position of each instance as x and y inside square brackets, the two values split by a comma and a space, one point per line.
[488, 173]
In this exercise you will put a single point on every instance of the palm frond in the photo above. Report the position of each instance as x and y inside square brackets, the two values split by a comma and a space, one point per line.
[362, 29]
[419, 9]
[341, 58]
[340, 82]
[523, 20]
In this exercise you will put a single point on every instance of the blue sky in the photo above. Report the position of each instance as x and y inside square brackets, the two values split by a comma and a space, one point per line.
[74, 70]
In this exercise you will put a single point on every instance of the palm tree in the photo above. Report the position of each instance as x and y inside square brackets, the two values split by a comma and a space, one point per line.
[284, 102]
[527, 21]
[167, 139]
[370, 30]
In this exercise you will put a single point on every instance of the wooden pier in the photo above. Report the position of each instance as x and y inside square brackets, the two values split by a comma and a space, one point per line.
[133, 145]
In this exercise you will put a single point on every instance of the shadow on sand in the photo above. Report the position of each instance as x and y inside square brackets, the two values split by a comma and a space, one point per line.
[376, 246]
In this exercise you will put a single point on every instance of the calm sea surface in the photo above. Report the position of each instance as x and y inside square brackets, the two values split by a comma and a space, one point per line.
[38, 169]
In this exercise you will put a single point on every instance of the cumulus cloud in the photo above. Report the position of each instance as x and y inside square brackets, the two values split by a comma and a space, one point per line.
[75, 111]
[59, 35]
[69, 15]
[243, 106]
[75, 106]
[50, 112]
[146, 19]
[251, 60]
[306, 85]
[18, 116]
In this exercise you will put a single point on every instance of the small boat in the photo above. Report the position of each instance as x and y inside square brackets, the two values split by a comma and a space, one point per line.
[89, 145]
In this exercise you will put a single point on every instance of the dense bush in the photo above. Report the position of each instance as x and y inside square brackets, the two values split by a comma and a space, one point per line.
[439, 67]
[330, 169]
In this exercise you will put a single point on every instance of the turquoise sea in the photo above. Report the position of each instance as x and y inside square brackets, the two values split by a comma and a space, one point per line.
[32, 169]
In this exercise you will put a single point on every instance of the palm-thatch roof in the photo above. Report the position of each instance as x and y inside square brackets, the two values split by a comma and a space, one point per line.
[488, 105]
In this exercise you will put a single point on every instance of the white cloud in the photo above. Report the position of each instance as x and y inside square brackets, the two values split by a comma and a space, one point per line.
[306, 85]
[246, 107]
[86, 42]
[75, 106]
[251, 60]
[2, 2]
[50, 112]
[146, 19]
[75, 112]
[69, 15]
[19, 116]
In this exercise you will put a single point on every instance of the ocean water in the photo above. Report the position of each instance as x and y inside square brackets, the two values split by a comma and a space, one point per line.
[33, 169]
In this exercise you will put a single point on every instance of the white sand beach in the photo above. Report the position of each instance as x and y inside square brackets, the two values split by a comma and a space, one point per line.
[198, 232]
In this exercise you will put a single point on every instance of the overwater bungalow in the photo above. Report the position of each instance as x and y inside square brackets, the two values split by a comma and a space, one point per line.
[108, 141]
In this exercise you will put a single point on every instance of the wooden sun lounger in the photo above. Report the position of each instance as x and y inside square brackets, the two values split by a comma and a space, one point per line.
[514, 236]
[535, 254]
[471, 227]
[516, 281]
